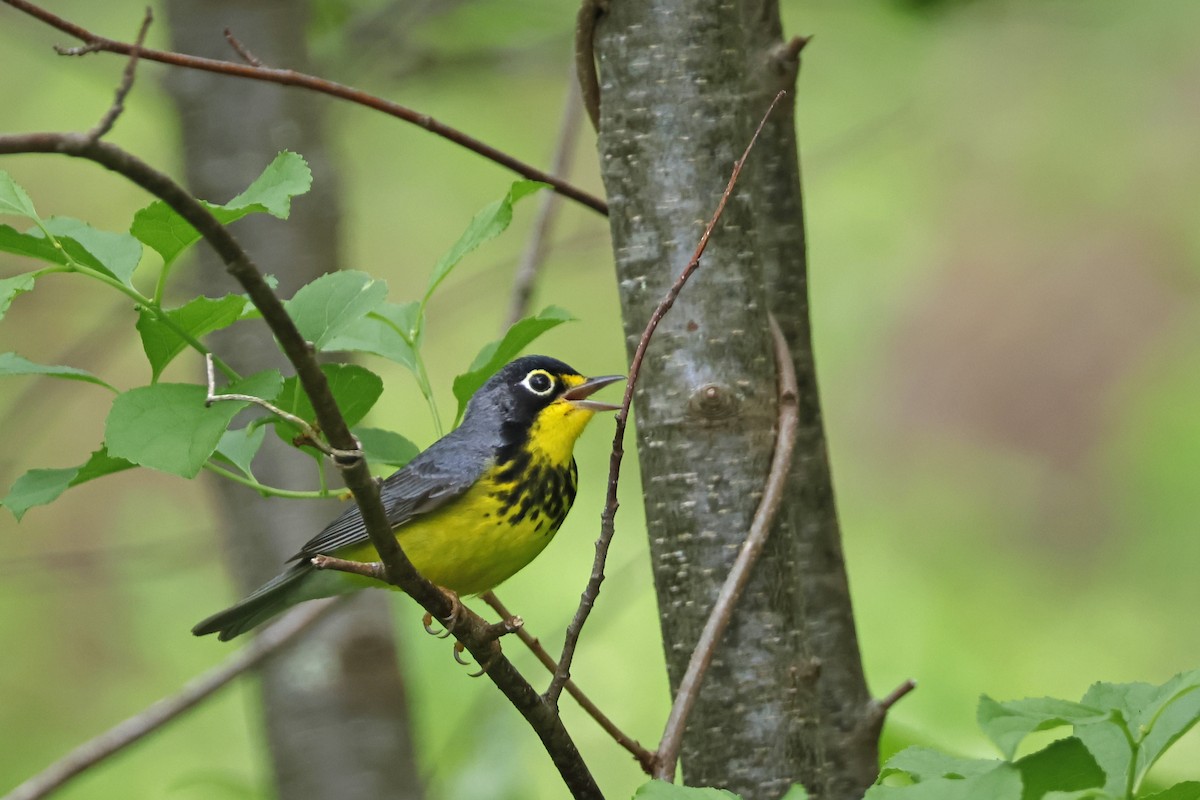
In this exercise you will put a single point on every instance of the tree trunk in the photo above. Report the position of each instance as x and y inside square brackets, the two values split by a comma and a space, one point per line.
[335, 709]
[683, 84]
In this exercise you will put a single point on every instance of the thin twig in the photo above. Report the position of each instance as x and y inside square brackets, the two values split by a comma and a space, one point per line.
[110, 117]
[367, 569]
[588, 599]
[535, 249]
[870, 725]
[308, 434]
[884, 704]
[286, 77]
[633, 746]
[241, 50]
[739, 573]
[273, 638]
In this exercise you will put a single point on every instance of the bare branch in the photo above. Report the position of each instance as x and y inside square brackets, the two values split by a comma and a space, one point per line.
[884, 704]
[110, 117]
[286, 77]
[643, 756]
[241, 50]
[271, 640]
[739, 573]
[592, 590]
[367, 569]
[535, 249]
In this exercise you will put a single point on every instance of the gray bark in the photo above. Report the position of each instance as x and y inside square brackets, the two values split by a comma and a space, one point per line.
[683, 84]
[335, 710]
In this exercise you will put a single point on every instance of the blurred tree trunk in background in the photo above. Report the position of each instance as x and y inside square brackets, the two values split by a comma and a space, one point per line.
[682, 85]
[336, 714]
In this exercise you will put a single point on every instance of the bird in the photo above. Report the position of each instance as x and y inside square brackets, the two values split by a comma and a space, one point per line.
[470, 511]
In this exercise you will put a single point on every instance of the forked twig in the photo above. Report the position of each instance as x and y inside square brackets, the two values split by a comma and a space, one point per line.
[114, 111]
[739, 573]
[273, 638]
[309, 434]
[588, 599]
[643, 756]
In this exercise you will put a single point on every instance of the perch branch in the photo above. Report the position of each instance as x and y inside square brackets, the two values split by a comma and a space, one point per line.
[468, 628]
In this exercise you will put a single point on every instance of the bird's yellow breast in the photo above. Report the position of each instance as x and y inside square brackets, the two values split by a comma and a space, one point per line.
[501, 523]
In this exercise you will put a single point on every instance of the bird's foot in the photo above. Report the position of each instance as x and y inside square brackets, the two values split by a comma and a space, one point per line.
[491, 634]
[449, 621]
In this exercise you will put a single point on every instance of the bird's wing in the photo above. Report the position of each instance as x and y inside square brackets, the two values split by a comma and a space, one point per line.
[425, 485]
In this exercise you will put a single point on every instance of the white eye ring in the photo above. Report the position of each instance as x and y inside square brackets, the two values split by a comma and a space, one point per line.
[539, 382]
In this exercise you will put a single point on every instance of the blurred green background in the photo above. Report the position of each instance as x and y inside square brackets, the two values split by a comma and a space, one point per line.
[1004, 224]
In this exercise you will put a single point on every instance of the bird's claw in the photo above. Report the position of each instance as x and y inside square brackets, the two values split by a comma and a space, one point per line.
[483, 668]
[449, 622]
[427, 622]
[493, 634]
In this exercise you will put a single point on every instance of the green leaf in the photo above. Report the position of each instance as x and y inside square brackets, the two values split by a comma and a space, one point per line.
[1157, 716]
[1008, 723]
[386, 447]
[661, 790]
[354, 388]
[40, 486]
[13, 364]
[923, 763]
[13, 199]
[332, 303]
[33, 245]
[1082, 794]
[11, 287]
[1064, 765]
[167, 427]
[1003, 782]
[117, 254]
[495, 355]
[797, 792]
[489, 223]
[1188, 790]
[239, 446]
[404, 316]
[1109, 744]
[1172, 710]
[159, 227]
[272, 191]
[200, 316]
[380, 333]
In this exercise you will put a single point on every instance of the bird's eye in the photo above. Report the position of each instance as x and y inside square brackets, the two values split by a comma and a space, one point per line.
[539, 382]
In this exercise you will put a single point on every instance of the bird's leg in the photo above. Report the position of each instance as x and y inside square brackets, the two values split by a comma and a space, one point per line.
[450, 620]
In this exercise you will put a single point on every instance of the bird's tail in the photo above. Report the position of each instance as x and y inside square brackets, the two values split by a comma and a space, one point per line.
[268, 600]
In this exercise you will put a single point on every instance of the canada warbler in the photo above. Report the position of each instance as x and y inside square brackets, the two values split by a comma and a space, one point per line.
[471, 510]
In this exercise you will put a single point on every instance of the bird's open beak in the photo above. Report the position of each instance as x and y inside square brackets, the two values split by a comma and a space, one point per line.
[577, 395]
